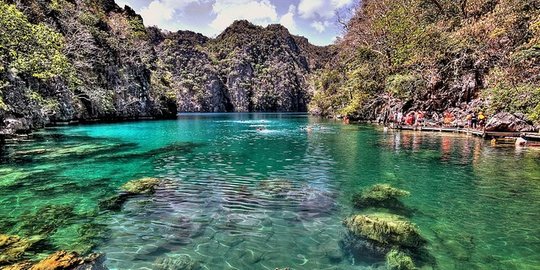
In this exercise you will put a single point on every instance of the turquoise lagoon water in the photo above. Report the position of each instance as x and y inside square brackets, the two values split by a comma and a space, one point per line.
[241, 198]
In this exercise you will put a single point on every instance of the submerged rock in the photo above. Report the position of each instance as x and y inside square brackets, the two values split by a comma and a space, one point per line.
[363, 248]
[63, 260]
[277, 188]
[144, 185]
[80, 237]
[13, 248]
[380, 195]
[46, 220]
[114, 203]
[386, 229]
[399, 260]
[176, 262]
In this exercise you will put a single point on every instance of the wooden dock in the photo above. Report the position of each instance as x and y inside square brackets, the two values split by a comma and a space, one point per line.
[480, 133]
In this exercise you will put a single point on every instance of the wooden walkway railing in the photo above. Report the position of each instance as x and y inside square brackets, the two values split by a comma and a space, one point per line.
[476, 132]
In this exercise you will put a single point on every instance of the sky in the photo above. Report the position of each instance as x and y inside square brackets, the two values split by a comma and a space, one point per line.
[317, 20]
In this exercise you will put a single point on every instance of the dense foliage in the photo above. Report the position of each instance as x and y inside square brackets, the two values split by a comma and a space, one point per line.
[435, 55]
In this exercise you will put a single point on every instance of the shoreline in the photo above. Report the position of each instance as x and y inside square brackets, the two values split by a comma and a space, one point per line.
[496, 137]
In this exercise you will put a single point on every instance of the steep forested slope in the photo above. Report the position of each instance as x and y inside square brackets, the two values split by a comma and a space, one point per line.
[77, 60]
[435, 55]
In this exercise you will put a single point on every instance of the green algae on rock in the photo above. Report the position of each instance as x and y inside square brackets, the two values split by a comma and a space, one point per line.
[63, 260]
[46, 220]
[11, 176]
[386, 229]
[80, 238]
[114, 203]
[379, 195]
[13, 248]
[399, 260]
[144, 185]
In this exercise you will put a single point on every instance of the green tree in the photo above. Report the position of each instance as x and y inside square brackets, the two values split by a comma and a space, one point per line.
[32, 49]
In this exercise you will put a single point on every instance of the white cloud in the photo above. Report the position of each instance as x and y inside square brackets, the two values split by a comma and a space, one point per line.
[288, 20]
[320, 26]
[161, 12]
[310, 9]
[261, 12]
[122, 3]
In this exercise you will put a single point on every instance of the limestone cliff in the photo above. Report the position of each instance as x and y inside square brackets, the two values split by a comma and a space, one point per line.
[74, 60]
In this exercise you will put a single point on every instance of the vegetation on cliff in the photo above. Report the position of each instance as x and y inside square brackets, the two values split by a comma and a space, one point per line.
[435, 55]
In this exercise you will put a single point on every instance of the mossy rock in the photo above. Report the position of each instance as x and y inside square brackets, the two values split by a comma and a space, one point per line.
[386, 229]
[13, 248]
[399, 260]
[379, 195]
[144, 185]
[59, 260]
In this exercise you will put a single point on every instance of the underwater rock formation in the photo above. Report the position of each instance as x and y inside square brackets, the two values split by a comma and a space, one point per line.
[144, 185]
[176, 262]
[80, 238]
[63, 260]
[380, 195]
[46, 220]
[362, 248]
[386, 229]
[12, 248]
[399, 260]
[276, 188]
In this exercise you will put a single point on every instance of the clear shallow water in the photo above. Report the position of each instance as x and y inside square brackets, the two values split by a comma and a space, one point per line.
[239, 198]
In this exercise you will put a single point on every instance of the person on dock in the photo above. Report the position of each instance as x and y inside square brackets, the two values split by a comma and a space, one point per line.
[481, 120]
[409, 120]
[474, 120]
[448, 118]
[419, 118]
[399, 119]
[469, 118]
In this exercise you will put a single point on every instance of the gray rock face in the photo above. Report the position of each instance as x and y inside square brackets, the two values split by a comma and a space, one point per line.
[246, 68]
[504, 121]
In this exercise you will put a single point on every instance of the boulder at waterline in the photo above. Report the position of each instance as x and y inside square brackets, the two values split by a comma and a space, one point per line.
[379, 195]
[144, 185]
[399, 260]
[386, 229]
[504, 121]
